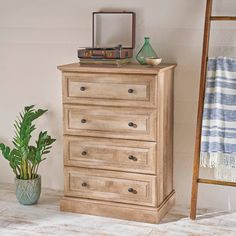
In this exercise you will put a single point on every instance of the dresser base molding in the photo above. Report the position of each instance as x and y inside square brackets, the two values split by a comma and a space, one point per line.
[118, 210]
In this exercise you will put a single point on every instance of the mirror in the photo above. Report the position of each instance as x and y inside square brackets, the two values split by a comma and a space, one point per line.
[113, 28]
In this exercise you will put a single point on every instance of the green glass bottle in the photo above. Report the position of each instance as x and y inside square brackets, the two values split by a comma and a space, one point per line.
[146, 51]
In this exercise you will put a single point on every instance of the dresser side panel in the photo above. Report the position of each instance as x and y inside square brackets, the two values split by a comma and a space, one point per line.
[165, 134]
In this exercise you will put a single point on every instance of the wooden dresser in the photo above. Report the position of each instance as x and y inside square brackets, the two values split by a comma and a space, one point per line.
[118, 140]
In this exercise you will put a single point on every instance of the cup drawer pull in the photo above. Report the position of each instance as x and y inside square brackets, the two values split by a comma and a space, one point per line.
[84, 153]
[131, 124]
[131, 190]
[83, 121]
[84, 184]
[82, 88]
[133, 158]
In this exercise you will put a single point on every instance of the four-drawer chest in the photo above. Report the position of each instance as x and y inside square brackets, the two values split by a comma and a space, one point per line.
[118, 140]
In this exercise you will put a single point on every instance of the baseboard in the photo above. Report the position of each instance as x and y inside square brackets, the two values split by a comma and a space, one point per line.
[118, 210]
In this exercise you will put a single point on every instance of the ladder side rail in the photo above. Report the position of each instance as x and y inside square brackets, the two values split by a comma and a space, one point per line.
[205, 51]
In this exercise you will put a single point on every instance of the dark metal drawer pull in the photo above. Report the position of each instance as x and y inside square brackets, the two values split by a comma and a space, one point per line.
[131, 124]
[130, 91]
[133, 158]
[84, 184]
[131, 190]
[82, 88]
[84, 153]
[83, 121]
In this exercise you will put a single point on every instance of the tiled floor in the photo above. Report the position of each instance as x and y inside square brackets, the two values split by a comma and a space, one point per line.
[46, 219]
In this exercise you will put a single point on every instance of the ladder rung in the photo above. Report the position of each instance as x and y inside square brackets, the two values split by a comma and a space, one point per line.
[217, 182]
[223, 18]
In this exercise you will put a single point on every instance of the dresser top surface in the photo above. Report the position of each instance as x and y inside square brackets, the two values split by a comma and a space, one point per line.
[127, 68]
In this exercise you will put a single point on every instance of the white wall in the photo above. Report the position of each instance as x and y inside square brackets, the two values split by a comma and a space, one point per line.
[36, 36]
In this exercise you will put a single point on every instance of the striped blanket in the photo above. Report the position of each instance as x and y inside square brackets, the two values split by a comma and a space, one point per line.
[218, 141]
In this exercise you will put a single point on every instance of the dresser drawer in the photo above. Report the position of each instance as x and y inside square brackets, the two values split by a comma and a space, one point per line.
[109, 89]
[110, 186]
[110, 154]
[110, 122]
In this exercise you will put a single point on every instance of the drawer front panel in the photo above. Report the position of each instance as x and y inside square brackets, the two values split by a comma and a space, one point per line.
[110, 154]
[111, 186]
[104, 89]
[110, 122]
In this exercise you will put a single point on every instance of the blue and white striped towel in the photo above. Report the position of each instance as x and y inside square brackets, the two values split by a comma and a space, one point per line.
[218, 141]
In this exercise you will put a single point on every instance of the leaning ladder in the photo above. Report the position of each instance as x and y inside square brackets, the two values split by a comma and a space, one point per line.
[196, 180]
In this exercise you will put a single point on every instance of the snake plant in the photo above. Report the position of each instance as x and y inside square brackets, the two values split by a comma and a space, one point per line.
[24, 159]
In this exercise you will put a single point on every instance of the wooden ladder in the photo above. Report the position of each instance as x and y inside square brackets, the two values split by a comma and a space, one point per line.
[196, 180]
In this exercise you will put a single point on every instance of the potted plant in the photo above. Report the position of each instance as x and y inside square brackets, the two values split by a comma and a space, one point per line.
[24, 158]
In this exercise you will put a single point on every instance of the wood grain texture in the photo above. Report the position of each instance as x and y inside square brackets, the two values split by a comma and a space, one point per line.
[109, 89]
[110, 186]
[123, 69]
[110, 122]
[110, 154]
[165, 133]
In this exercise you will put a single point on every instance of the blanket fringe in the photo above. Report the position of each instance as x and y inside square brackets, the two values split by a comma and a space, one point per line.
[224, 165]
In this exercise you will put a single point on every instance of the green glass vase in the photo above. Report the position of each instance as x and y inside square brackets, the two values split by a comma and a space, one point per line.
[146, 52]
